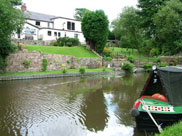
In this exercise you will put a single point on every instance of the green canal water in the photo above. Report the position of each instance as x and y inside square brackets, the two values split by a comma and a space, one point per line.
[71, 106]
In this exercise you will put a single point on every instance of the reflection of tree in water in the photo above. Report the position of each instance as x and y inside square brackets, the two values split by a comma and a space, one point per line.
[95, 111]
[125, 91]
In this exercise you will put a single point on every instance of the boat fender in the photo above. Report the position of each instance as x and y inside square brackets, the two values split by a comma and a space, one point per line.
[135, 112]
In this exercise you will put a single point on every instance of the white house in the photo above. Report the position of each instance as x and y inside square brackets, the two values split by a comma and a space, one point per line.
[48, 27]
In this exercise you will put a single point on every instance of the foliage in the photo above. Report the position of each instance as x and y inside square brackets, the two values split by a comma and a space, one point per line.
[12, 20]
[158, 59]
[82, 70]
[147, 67]
[162, 64]
[127, 66]
[65, 70]
[108, 58]
[104, 69]
[26, 63]
[77, 51]
[95, 29]
[154, 52]
[109, 44]
[3, 64]
[107, 52]
[126, 28]
[66, 41]
[131, 59]
[111, 35]
[44, 64]
[175, 61]
[169, 27]
[173, 130]
[79, 13]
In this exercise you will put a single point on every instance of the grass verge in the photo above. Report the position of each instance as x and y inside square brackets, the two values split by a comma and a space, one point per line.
[76, 51]
[52, 72]
[174, 130]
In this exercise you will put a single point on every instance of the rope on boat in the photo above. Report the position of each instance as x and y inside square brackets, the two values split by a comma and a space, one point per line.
[150, 115]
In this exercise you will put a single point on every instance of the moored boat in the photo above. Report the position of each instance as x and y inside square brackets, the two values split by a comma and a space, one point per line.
[160, 102]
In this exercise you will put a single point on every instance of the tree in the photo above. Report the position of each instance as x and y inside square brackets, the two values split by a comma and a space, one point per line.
[126, 26]
[11, 20]
[79, 13]
[168, 22]
[148, 8]
[95, 28]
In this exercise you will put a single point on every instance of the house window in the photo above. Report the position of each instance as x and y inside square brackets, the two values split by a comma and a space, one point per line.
[49, 33]
[69, 25]
[73, 26]
[19, 36]
[55, 34]
[48, 25]
[37, 23]
[59, 34]
[76, 36]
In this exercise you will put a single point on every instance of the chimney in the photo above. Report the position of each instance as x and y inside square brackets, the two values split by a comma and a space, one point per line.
[24, 7]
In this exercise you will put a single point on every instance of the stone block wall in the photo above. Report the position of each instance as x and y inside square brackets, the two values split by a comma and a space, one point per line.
[171, 59]
[55, 62]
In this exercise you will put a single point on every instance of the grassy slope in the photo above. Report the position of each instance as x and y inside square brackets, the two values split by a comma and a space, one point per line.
[51, 72]
[174, 130]
[125, 52]
[76, 51]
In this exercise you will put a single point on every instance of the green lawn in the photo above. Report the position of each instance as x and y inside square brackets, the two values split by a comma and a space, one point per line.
[76, 51]
[52, 72]
[134, 52]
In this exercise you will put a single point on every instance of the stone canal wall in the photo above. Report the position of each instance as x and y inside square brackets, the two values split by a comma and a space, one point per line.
[16, 62]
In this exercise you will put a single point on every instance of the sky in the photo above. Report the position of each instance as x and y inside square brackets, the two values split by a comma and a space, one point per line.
[66, 8]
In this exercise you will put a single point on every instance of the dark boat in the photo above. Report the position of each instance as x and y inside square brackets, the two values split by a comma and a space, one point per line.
[160, 102]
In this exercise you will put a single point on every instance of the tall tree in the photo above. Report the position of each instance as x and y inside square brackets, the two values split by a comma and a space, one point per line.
[95, 28]
[168, 22]
[148, 8]
[11, 20]
[79, 13]
[126, 26]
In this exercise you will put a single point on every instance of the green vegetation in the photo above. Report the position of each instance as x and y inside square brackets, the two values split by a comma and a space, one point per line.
[82, 70]
[95, 28]
[26, 63]
[79, 13]
[66, 41]
[52, 72]
[127, 66]
[12, 20]
[78, 51]
[162, 64]
[44, 64]
[147, 67]
[174, 130]
[108, 58]
[65, 70]
[3, 64]
[131, 59]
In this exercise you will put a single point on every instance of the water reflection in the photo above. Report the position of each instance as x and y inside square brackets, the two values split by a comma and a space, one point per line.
[70, 106]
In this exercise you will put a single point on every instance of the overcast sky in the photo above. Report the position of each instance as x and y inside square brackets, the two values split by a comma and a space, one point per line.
[66, 8]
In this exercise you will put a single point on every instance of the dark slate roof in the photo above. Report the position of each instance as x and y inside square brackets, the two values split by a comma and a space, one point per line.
[38, 16]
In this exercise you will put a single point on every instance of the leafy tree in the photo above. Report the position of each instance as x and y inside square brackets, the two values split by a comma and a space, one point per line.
[168, 22]
[95, 29]
[111, 35]
[79, 13]
[126, 26]
[148, 8]
[11, 20]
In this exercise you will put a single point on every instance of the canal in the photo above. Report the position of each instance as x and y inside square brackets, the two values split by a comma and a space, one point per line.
[71, 106]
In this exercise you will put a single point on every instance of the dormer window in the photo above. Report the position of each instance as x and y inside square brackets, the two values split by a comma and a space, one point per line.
[37, 23]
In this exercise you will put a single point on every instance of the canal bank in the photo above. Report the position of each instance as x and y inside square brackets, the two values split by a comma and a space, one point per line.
[23, 77]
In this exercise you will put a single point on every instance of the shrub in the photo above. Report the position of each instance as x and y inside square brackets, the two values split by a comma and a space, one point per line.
[21, 46]
[104, 69]
[131, 59]
[154, 52]
[66, 41]
[54, 43]
[147, 67]
[158, 59]
[163, 64]
[3, 64]
[44, 64]
[108, 58]
[175, 61]
[127, 66]
[82, 70]
[26, 63]
[107, 52]
[65, 70]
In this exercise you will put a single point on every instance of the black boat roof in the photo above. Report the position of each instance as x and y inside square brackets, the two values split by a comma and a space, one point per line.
[166, 81]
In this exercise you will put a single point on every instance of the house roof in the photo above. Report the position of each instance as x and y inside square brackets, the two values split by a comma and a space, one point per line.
[38, 16]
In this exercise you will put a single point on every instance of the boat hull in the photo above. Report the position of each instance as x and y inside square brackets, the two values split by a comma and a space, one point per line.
[144, 122]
